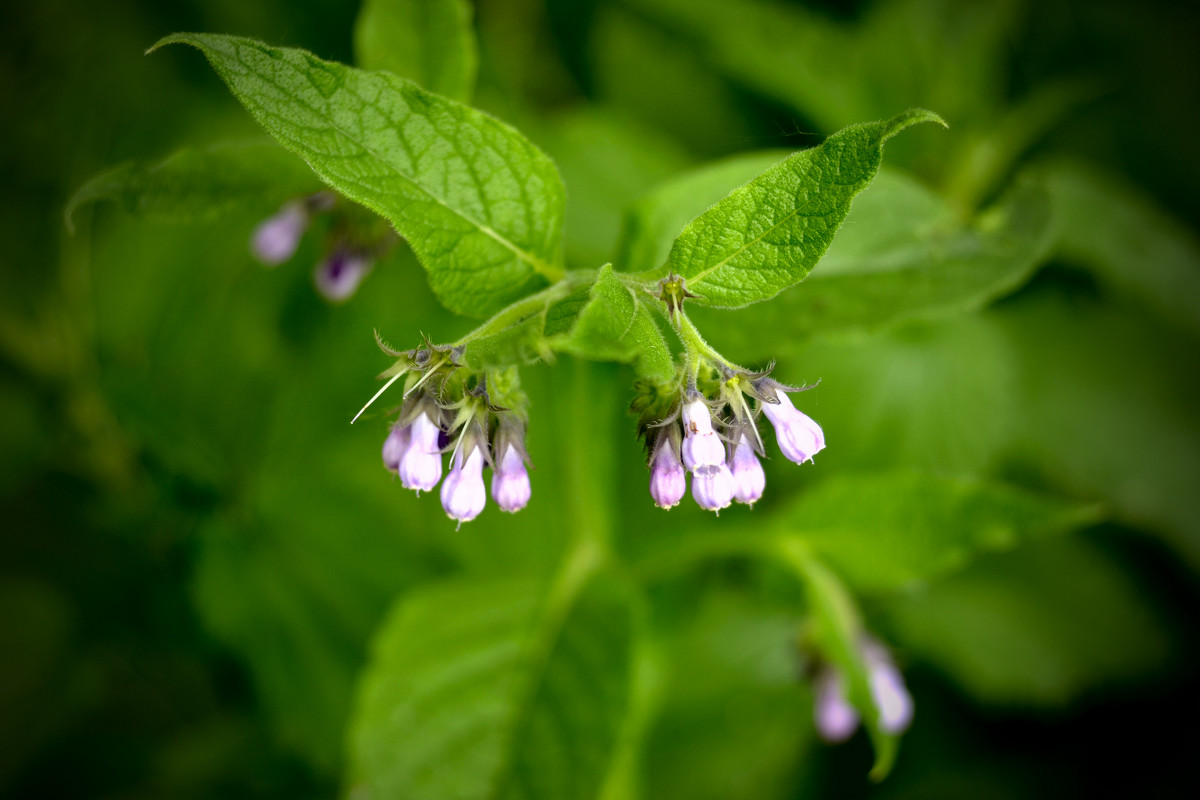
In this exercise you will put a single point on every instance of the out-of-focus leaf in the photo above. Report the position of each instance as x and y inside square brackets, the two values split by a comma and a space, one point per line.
[740, 728]
[480, 205]
[766, 235]
[490, 689]
[201, 185]
[1038, 627]
[429, 41]
[1132, 246]
[615, 325]
[901, 255]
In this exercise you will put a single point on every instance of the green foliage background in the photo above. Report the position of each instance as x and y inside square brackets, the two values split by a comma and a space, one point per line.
[198, 550]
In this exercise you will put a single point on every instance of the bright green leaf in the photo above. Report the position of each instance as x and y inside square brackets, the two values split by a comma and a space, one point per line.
[487, 689]
[615, 325]
[767, 235]
[480, 205]
[201, 185]
[431, 42]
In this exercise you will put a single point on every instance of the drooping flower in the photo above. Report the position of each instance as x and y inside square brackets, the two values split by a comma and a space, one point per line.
[800, 438]
[702, 447]
[835, 718]
[888, 691]
[463, 492]
[510, 479]
[276, 238]
[421, 466]
[749, 480]
[668, 481]
[712, 487]
[338, 275]
[395, 445]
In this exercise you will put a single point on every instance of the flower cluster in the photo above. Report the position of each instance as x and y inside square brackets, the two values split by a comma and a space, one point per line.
[718, 442]
[474, 432]
[836, 719]
[349, 252]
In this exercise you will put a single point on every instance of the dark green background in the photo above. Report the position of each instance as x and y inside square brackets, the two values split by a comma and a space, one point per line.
[196, 546]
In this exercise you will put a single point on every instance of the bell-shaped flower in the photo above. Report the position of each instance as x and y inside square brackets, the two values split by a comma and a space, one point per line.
[888, 691]
[799, 437]
[510, 479]
[338, 275]
[395, 445]
[712, 487]
[749, 480]
[702, 447]
[421, 464]
[276, 238]
[835, 718]
[668, 481]
[463, 492]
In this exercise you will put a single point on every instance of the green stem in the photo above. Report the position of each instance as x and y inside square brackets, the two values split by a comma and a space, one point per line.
[528, 306]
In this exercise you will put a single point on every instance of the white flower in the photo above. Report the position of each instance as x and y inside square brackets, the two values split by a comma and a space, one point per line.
[701, 445]
[712, 487]
[799, 437]
[421, 466]
[463, 492]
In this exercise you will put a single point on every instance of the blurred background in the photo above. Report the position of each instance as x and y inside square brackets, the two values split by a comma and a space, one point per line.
[197, 547]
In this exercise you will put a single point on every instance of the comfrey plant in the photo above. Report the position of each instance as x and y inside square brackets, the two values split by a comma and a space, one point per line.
[482, 209]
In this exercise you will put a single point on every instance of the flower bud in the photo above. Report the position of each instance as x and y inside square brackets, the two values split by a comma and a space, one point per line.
[338, 275]
[888, 691]
[749, 480]
[510, 480]
[799, 437]
[421, 464]
[276, 238]
[395, 445]
[835, 718]
[712, 487]
[701, 445]
[463, 492]
[668, 481]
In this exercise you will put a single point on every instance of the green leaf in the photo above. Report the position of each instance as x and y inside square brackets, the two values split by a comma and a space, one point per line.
[201, 185]
[1131, 245]
[651, 224]
[615, 325]
[429, 41]
[768, 234]
[480, 205]
[1040, 627]
[888, 531]
[494, 689]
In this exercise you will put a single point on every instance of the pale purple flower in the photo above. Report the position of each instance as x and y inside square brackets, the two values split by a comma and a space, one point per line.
[835, 718]
[463, 492]
[712, 487]
[395, 445]
[668, 481]
[799, 437]
[421, 466]
[749, 480]
[888, 691]
[338, 275]
[510, 480]
[701, 445]
[276, 238]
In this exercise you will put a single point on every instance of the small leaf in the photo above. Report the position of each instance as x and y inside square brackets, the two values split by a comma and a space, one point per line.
[428, 41]
[491, 689]
[480, 205]
[201, 185]
[615, 325]
[768, 234]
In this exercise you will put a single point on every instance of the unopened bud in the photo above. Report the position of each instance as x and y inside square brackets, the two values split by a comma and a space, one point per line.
[835, 718]
[276, 238]
[668, 481]
[510, 480]
[749, 480]
[395, 445]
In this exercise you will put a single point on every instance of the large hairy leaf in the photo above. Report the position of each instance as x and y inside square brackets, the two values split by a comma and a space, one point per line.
[481, 206]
